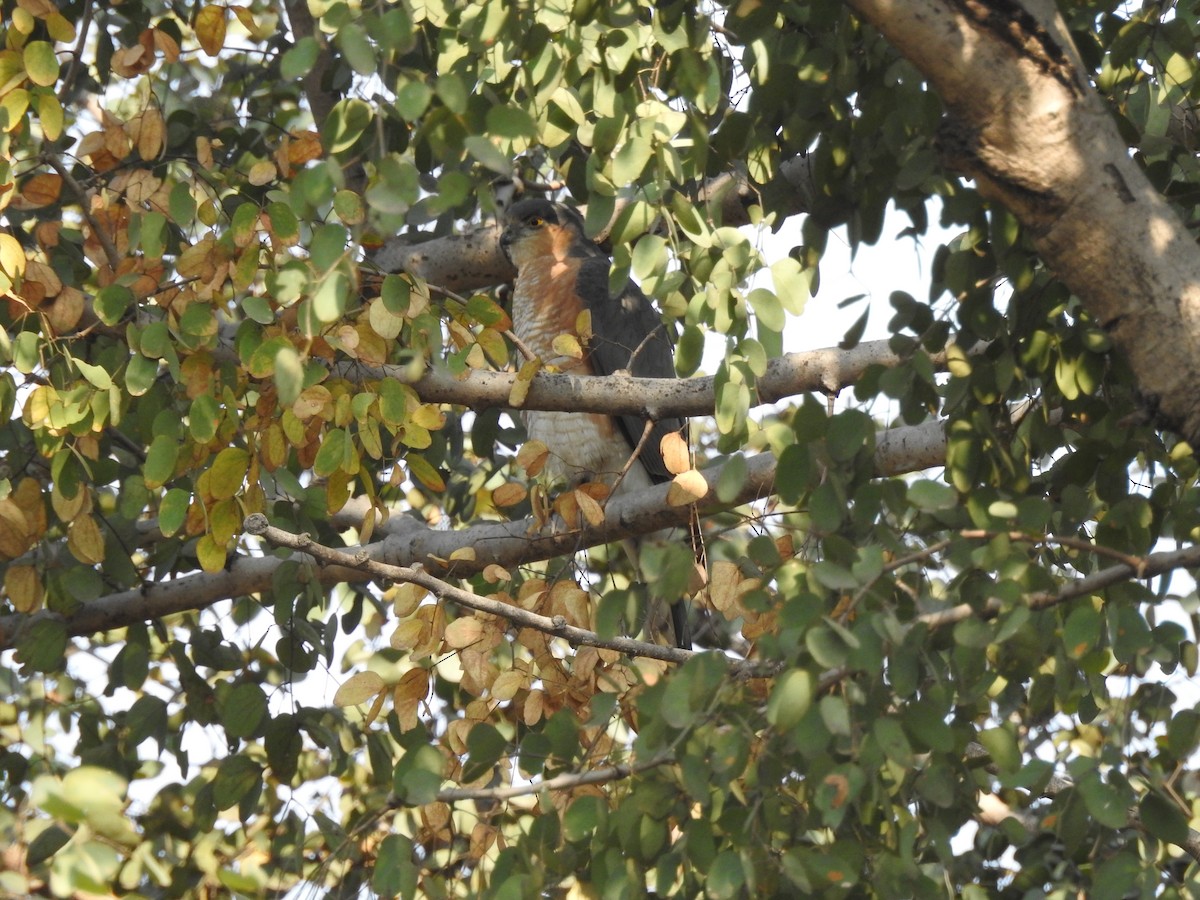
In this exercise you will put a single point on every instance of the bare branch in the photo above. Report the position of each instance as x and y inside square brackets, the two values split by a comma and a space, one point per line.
[1154, 564]
[554, 625]
[564, 782]
[828, 370]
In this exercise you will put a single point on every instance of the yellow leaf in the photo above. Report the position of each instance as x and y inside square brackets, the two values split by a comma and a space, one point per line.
[686, 487]
[210, 29]
[262, 172]
[358, 689]
[312, 401]
[430, 416]
[85, 541]
[463, 632]
[567, 345]
[12, 257]
[408, 634]
[583, 325]
[520, 388]
[464, 553]
[24, 588]
[420, 469]
[50, 114]
[14, 530]
[210, 554]
[675, 453]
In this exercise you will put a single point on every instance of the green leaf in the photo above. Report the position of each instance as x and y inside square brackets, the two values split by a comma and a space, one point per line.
[395, 874]
[41, 645]
[357, 49]
[334, 451]
[227, 472]
[412, 99]
[237, 776]
[48, 842]
[893, 741]
[111, 303]
[243, 710]
[485, 746]
[488, 154]
[1163, 819]
[41, 63]
[346, 123]
[791, 698]
[931, 496]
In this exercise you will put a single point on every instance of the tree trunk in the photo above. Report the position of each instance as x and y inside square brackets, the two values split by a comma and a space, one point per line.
[1027, 126]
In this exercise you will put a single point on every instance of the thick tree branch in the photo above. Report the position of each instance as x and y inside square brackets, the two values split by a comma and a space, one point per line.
[1024, 123]
[409, 542]
[472, 260]
[828, 370]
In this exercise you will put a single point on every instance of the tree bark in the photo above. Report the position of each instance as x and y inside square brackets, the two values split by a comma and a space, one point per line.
[1025, 124]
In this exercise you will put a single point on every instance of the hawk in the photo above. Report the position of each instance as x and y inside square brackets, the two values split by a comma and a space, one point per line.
[561, 274]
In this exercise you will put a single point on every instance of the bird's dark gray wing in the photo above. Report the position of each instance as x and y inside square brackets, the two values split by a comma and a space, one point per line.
[620, 326]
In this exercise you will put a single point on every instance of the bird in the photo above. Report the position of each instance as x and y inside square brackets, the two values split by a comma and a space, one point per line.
[562, 273]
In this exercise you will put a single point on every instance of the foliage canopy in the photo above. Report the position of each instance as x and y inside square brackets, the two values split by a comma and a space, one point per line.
[196, 331]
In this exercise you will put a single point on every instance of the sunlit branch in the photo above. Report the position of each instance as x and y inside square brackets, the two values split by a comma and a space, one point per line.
[827, 371]
[564, 782]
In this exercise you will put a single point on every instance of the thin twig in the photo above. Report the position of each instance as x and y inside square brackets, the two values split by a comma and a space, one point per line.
[563, 782]
[110, 249]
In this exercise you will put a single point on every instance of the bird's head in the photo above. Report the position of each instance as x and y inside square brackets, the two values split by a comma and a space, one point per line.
[537, 228]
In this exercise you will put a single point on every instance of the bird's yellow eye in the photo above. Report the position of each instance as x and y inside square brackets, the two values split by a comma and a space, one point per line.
[537, 221]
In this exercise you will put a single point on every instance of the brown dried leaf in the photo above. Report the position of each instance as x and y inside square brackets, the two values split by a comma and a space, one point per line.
[509, 494]
[42, 189]
[358, 689]
[593, 512]
[723, 585]
[463, 632]
[85, 540]
[24, 588]
[532, 457]
[151, 134]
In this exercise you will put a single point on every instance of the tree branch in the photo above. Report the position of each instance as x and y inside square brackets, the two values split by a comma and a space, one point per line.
[1024, 123]
[828, 370]
[564, 782]
[553, 625]
[1154, 564]
[472, 260]
[409, 542]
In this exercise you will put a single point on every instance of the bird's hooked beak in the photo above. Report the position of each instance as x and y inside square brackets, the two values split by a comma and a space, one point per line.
[506, 239]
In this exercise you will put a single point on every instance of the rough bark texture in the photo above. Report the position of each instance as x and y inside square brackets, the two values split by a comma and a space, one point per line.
[1024, 123]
